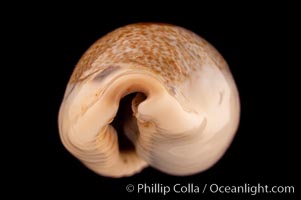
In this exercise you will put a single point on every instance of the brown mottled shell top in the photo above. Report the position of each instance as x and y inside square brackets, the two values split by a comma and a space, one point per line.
[168, 51]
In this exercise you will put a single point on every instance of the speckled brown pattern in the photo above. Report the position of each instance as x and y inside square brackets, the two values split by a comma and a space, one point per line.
[168, 51]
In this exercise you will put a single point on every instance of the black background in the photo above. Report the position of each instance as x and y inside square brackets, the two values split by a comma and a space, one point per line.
[259, 48]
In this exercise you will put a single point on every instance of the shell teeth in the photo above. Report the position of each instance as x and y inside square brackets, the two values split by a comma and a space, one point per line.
[163, 88]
